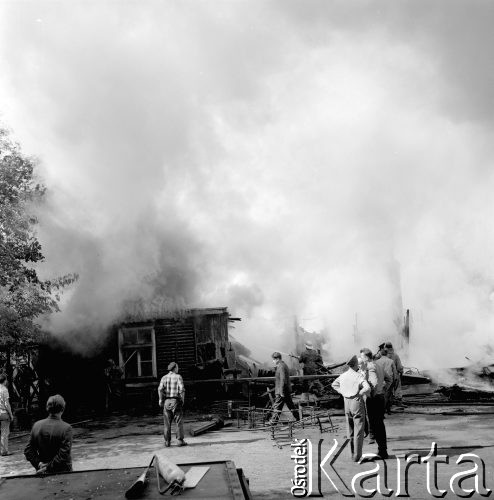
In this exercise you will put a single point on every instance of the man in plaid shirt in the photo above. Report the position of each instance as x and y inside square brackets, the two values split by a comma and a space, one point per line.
[171, 393]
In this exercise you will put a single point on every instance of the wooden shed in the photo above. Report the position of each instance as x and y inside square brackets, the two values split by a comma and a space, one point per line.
[145, 348]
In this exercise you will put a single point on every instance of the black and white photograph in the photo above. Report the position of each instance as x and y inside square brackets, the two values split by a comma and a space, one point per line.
[246, 249]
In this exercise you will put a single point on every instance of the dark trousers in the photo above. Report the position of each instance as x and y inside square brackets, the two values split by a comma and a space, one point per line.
[388, 398]
[375, 408]
[173, 410]
[278, 406]
[355, 421]
[306, 384]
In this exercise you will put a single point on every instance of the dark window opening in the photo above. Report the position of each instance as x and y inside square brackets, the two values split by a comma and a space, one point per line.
[206, 352]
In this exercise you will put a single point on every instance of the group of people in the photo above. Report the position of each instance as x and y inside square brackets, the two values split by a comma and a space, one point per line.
[50, 442]
[367, 387]
[311, 362]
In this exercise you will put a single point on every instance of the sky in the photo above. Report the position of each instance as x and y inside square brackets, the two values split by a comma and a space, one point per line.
[321, 160]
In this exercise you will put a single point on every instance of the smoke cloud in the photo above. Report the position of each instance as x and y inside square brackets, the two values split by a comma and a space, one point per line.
[280, 158]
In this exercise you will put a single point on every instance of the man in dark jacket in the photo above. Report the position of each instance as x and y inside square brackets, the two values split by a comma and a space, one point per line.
[378, 378]
[311, 362]
[390, 368]
[282, 390]
[50, 444]
[397, 394]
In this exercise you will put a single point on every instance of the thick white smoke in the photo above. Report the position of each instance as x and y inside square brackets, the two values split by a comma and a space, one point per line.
[275, 158]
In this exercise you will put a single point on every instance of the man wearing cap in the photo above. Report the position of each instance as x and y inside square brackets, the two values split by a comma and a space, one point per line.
[353, 387]
[282, 390]
[389, 368]
[378, 379]
[311, 361]
[398, 396]
[171, 393]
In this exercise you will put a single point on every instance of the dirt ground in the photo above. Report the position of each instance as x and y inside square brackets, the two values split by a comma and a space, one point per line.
[122, 441]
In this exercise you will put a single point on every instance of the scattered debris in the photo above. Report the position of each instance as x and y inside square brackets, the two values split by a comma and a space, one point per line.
[215, 424]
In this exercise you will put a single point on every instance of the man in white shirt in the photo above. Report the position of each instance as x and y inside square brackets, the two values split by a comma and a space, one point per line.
[353, 387]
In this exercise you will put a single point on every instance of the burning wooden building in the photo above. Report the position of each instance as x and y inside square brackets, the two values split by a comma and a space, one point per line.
[145, 348]
[197, 339]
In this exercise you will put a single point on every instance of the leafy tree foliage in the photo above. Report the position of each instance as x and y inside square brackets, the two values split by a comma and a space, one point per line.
[24, 297]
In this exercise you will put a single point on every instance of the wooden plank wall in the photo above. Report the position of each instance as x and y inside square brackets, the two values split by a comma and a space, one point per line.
[175, 341]
[212, 328]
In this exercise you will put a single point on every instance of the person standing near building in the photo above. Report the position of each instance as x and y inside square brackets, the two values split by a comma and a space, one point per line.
[171, 394]
[353, 387]
[5, 416]
[282, 390]
[397, 394]
[50, 444]
[113, 379]
[311, 362]
[378, 379]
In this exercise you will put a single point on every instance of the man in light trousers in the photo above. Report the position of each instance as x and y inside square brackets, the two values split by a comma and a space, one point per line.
[171, 393]
[5, 416]
[353, 387]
